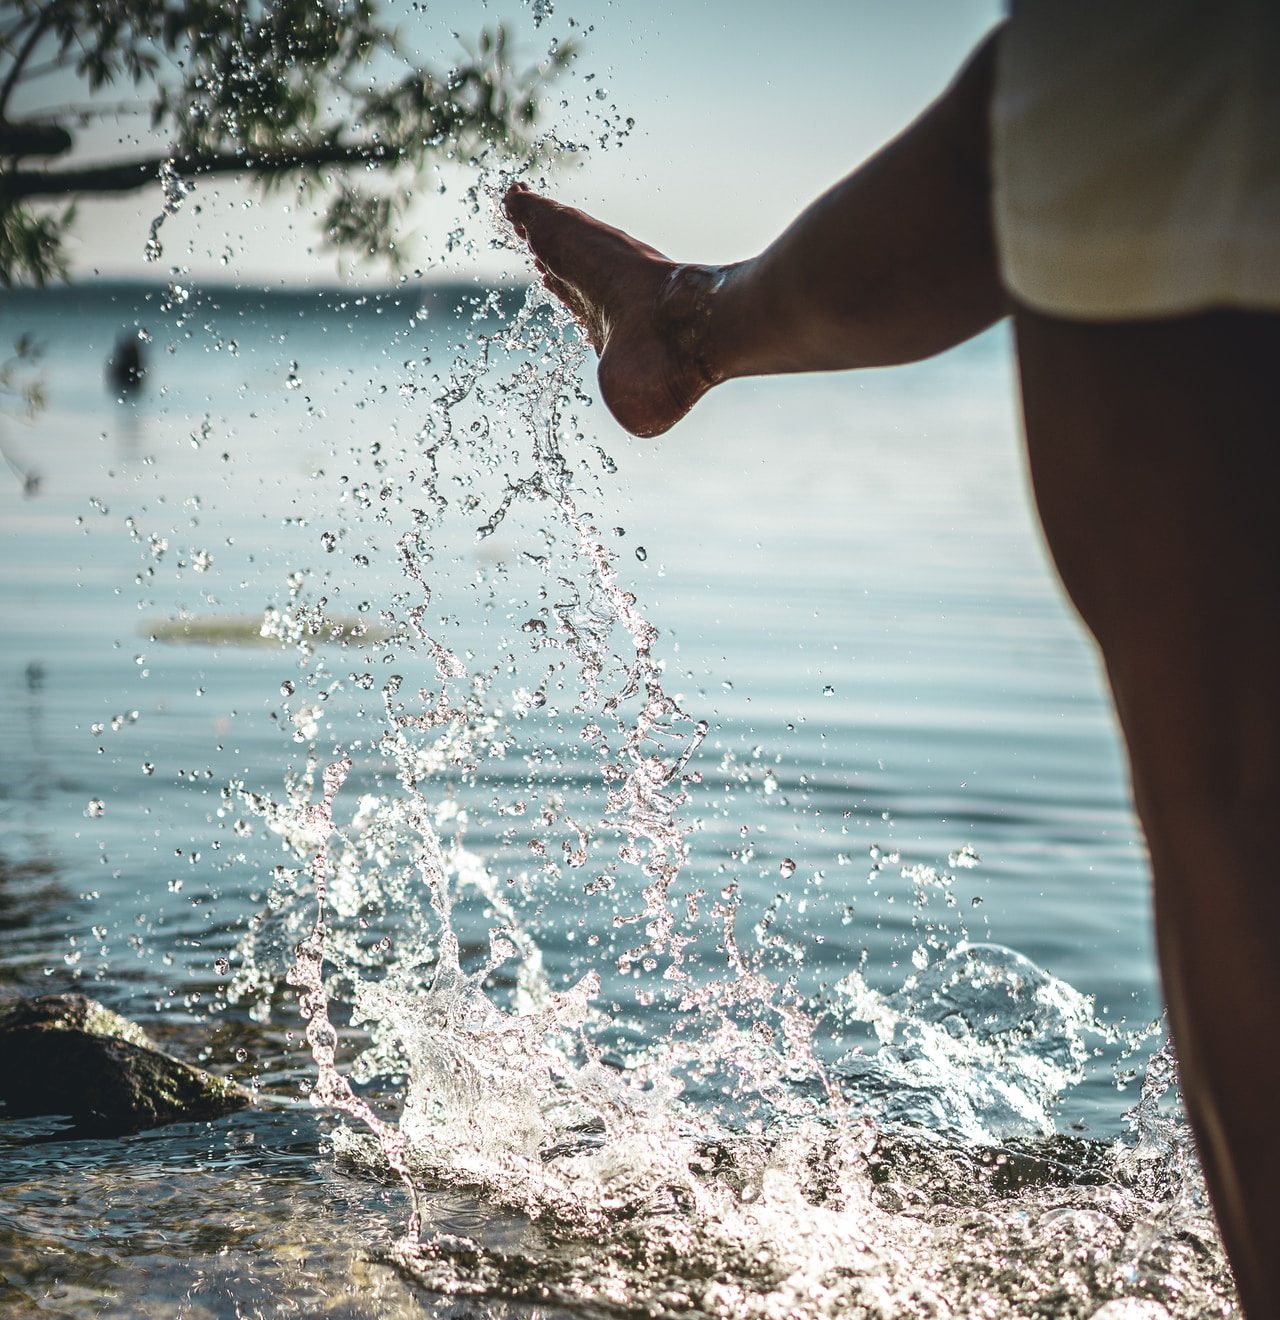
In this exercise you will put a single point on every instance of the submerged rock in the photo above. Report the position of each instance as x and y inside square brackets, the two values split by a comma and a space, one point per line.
[67, 1054]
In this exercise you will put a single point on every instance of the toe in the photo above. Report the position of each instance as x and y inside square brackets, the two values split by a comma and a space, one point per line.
[513, 198]
[515, 206]
[519, 203]
[550, 229]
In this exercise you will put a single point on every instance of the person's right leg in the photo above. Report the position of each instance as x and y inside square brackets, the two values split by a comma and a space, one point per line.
[1155, 454]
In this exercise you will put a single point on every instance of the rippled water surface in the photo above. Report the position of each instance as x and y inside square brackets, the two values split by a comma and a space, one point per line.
[732, 901]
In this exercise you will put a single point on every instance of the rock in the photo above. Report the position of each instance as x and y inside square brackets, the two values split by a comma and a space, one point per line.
[67, 1054]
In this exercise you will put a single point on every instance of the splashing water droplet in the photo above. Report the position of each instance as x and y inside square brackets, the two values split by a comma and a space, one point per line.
[175, 189]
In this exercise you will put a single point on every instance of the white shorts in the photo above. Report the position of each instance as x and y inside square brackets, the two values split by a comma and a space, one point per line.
[1136, 156]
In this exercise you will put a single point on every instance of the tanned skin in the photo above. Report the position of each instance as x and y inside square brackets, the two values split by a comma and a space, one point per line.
[1154, 449]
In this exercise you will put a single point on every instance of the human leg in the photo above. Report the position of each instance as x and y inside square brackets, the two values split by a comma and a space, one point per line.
[1155, 454]
[895, 263]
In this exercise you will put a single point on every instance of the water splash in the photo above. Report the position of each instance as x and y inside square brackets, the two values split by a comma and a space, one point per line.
[175, 190]
[979, 1045]
[492, 1085]
[668, 1126]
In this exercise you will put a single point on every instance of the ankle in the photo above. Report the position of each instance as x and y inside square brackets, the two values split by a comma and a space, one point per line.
[687, 313]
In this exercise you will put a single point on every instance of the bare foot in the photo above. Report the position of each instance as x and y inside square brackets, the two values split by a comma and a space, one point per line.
[642, 313]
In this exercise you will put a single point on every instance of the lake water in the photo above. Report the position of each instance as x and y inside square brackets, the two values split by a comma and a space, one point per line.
[909, 769]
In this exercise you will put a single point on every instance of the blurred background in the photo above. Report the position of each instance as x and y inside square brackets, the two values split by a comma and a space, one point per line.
[740, 114]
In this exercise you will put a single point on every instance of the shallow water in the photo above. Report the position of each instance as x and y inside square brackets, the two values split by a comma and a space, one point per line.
[907, 748]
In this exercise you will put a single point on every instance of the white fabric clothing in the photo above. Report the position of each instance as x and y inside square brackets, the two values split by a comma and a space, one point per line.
[1136, 156]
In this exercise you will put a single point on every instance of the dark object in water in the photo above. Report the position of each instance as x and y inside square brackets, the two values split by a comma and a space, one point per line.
[126, 367]
[67, 1054]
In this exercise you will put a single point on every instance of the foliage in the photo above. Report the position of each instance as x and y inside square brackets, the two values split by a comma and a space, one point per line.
[317, 90]
[31, 244]
[14, 374]
[19, 383]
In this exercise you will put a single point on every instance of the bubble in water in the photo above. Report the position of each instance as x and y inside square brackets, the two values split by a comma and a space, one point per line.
[95, 807]
[288, 688]
[828, 691]
[641, 553]
[786, 868]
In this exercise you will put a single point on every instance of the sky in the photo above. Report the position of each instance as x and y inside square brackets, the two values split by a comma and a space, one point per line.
[743, 111]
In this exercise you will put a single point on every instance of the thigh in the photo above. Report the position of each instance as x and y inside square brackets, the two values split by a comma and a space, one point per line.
[1154, 451]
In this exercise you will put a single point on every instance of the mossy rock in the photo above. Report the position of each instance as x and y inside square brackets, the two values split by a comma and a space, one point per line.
[67, 1054]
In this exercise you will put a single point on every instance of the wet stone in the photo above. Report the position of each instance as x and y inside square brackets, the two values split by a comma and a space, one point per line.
[68, 1055]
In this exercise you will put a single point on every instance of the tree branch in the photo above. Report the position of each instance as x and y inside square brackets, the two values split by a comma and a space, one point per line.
[127, 176]
[33, 139]
[23, 55]
[25, 20]
[83, 112]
